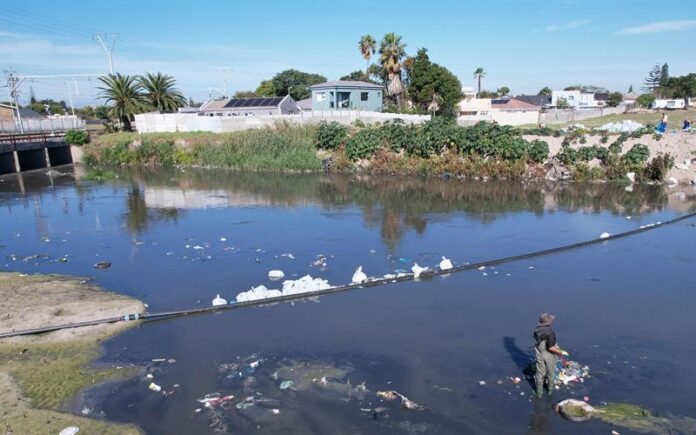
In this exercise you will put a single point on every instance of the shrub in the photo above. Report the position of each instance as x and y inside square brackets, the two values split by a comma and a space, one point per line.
[568, 156]
[76, 137]
[363, 143]
[538, 151]
[637, 155]
[657, 168]
[585, 154]
[330, 135]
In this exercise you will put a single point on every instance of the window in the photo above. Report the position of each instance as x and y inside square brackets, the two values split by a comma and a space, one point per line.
[363, 96]
[671, 104]
[321, 96]
[331, 104]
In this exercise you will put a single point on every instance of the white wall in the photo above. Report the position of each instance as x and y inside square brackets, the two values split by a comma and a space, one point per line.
[171, 122]
[504, 117]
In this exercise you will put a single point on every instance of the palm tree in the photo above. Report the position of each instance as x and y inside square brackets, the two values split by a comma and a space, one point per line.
[391, 51]
[161, 93]
[478, 75]
[367, 46]
[126, 95]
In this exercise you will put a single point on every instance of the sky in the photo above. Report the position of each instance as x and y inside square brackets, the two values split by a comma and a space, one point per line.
[522, 44]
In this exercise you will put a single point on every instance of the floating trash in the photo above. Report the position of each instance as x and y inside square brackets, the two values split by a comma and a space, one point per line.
[417, 270]
[405, 401]
[604, 235]
[445, 264]
[102, 265]
[276, 274]
[215, 399]
[70, 430]
[219, 301]
[154, 387]
[359, 276]
[286, 385]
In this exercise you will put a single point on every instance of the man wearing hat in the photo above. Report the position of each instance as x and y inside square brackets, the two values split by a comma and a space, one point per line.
[546, 351]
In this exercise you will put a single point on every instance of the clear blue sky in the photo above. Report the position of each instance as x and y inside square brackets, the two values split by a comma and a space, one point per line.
[522, 44]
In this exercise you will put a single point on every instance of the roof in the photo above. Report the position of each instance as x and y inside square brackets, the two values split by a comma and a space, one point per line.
[630, 96]
[305, 104]
[346, 84]
[511, 104]
[537, 100]
[237, 103]
[24, 112]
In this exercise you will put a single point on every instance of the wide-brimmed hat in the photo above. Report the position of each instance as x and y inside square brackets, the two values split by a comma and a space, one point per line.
[546, 319]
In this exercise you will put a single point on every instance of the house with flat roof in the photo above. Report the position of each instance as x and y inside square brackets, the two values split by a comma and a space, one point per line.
[511, 111]
[249, 106]
[470, 106]
[347, 95]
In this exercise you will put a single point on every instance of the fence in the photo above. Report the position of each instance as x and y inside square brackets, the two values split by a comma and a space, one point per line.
[32, 125]
[170, 122]
[570, 115]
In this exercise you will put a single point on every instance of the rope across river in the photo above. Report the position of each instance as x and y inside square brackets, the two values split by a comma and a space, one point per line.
[371, 283]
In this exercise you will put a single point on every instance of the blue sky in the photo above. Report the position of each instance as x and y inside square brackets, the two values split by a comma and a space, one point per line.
[522, 44]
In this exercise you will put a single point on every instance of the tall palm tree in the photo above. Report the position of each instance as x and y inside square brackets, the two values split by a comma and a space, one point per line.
[478, 75]
[161, 93]
[367, 46]
[391, 52]
[125, 94]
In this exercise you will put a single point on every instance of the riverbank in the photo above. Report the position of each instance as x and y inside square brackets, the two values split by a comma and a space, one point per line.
[40, 374]
[485, 151]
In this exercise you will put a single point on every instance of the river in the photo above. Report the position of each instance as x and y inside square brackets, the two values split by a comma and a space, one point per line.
[176, 238]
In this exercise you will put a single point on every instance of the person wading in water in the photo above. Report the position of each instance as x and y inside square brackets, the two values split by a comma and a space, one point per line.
[547, 352]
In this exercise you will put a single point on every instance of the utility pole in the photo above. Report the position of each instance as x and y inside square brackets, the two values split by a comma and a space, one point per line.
[13, 82]
[103, 39]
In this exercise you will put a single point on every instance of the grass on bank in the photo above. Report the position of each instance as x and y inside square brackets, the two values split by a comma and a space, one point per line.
[271, 149]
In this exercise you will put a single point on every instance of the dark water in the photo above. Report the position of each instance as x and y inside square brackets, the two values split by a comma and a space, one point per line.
[625, 308]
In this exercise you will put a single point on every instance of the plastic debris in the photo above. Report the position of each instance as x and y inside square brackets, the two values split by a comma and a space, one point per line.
[482, 383]
[445, 264]
[286, 385]
[102, 265]
[222, 239]
[276, 274]
[219, 301]
[70, 430]
[288, 255]
[405, 401]
[684, 165]
[417, 270]
[671, 181]
[626, 126]
[515, 380]
[568, 372]
[631, 176]
[604, 235]
[359, 276]
[275, 411]
[257, 293]
[304, 285]
[575, 410]
[215, 399]
[154, 387]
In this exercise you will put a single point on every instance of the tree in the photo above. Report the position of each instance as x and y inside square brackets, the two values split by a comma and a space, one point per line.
[664, 74]
[652, 81]
[487, 94]
[49, 106]
[615, 98]
[545, 91]
[479, 74]
[266, 89]
[295, 83]
[645, 100]
[584, 88]
[32, 96]
[433, 88]
[125, 95]
[367, 47]
[680, 87]
[358, 75]
[503, 91]
[245, 94]
[630, 89]
[562, 103]
[160, 92]
[391, 52]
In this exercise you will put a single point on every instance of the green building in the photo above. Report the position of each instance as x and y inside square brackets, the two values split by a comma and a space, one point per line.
[347, 95]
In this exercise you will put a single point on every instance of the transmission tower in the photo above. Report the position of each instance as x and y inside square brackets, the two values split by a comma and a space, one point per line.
[107, 42]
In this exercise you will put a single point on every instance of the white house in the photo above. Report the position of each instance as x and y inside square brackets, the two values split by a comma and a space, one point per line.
[677, 103]
[511, 111]
[470, 106]
[575, 99]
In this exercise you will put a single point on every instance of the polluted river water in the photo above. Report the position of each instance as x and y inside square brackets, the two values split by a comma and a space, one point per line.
[449, 345]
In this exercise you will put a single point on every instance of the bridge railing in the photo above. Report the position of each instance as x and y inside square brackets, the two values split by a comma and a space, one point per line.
[45, 138]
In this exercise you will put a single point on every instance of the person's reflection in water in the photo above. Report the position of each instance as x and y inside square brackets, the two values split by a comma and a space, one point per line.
[540, 422]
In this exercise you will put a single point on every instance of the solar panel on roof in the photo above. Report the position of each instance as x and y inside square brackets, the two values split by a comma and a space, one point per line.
[253, 102]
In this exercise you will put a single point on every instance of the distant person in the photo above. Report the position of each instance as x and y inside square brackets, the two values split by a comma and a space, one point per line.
[687, 125]
[663, 124]
[546, 351]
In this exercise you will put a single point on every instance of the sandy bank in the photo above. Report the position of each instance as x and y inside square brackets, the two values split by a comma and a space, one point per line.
[39, 374]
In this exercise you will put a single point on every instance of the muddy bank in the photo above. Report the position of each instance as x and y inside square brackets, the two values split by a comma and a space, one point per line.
[40, 374]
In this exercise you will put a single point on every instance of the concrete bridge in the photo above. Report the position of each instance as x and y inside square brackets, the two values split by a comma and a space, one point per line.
[24, 152]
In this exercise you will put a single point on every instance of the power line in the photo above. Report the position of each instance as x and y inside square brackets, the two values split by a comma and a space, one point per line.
[103, 39]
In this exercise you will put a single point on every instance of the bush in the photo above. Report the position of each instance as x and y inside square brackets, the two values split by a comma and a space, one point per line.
[657, 168]
[76, 137]
[637, 155]
[538, 151]
[585, 154]
[363, 143]
[330, 135]
[568, 156]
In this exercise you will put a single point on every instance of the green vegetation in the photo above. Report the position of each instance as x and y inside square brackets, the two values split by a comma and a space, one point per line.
[76, 137]
[433, 88]
[391, 53]
[479, 74]
[161, 93]
[367, 46]
[271, 149]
